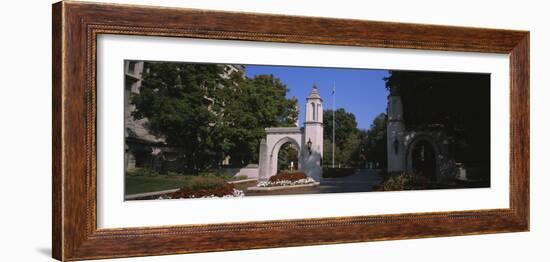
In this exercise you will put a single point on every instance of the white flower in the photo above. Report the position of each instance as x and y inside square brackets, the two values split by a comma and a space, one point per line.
[304, 181]
[236, 193]
[263, 184]
[164, 197]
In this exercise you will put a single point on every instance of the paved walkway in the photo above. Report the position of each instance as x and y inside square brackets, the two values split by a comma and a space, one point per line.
[363, 181]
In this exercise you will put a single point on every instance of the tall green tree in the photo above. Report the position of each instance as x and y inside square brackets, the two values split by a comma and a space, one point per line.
[347, 138]
[259, 102]
[211, 112]
[178, 100]
[374, 141]
[345, 125]
[287, 153]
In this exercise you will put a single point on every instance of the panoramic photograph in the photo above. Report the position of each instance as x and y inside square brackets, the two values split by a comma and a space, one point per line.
[204, 130]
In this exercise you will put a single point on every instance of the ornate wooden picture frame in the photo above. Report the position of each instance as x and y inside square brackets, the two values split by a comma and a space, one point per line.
[76, 26]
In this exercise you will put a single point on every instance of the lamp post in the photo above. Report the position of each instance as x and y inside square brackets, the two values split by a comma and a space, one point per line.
[309, 145]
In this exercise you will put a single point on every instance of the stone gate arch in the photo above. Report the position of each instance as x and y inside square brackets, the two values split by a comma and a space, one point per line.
[308, 140]
[427, 139]
[270, 146]
[274, 156]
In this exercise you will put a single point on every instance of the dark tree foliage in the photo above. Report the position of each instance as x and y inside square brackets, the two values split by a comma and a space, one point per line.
[287, 153]
[177, 100]
[345, 125]
[209, 112]
[374, 142]
[347, 138]
[458, 103]
[258, 103]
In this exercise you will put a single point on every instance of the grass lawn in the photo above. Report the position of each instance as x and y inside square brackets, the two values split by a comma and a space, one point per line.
[144, 184]
[136, 184]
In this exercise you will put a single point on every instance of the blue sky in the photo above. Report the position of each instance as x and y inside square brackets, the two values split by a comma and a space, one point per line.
[360, 91]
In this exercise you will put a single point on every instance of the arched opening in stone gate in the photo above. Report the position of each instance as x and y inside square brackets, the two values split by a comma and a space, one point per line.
[423, 160]
[288, 158]
[277, 147]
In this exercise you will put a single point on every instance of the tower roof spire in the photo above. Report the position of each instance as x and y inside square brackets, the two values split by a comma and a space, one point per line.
[314, 94]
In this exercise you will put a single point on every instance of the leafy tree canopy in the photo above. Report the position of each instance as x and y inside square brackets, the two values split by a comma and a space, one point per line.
[347, 138]
[210, 112]
[258, 103]
[375, 140]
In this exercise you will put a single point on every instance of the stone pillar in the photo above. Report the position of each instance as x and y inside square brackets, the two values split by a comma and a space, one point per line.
[263, 162]
[313, 135]
[396, 133]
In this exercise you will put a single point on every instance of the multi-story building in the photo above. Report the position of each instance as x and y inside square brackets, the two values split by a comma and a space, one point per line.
[141, 147]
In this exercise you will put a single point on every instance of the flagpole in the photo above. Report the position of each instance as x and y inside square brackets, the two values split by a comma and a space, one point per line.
[333, 119]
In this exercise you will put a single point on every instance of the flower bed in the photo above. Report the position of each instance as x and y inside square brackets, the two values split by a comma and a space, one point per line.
[205, 193]
[218, 191]
[287, 179]
[205, 187]
[288, 176]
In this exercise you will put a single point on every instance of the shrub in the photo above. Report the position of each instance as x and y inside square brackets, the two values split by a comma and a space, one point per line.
[288, 176]
[216, 173]
[403, 181]
[204, 182]
[204, 186]
[338, 172]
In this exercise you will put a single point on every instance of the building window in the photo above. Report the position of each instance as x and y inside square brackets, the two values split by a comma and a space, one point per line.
[319, 110]
[314, 111]
[132, 67]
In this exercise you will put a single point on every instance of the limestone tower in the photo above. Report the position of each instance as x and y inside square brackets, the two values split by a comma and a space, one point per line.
[313, 135]
[396, 132]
